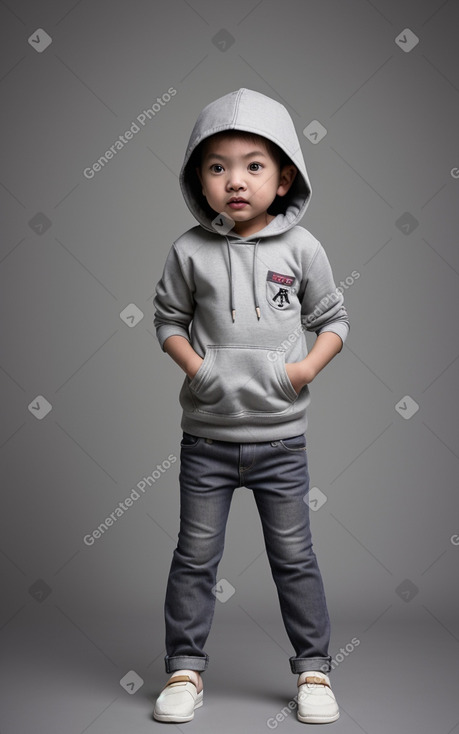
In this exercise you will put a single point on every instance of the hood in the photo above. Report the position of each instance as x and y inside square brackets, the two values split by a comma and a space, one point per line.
[253, 112]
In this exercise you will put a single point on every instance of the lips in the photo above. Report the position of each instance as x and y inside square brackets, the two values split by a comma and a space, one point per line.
[237, 203]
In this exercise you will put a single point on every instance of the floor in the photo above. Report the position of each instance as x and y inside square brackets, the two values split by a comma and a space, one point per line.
[392, 677]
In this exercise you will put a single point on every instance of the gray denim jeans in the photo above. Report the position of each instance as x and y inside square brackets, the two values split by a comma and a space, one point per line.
[277, 473]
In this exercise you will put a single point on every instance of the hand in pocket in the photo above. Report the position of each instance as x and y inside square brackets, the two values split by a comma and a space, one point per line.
[194, 366]
[298, 375]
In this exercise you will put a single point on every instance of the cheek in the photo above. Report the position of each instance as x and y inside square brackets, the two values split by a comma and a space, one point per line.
[214, 187]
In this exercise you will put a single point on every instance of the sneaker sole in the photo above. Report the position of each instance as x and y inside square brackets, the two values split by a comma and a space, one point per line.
[314, 719]
[176, 717]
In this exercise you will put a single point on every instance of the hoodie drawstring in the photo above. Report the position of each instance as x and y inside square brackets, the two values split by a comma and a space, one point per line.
[254, 281]
[233, 310]
[255, 297]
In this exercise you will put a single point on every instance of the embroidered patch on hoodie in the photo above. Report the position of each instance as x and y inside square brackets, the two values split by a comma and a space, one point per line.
[279, 290]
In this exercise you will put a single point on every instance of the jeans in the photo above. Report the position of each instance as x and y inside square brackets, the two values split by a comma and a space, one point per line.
[277, 473]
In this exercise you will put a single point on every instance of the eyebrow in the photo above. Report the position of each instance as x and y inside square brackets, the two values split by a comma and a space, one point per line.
[248, 155]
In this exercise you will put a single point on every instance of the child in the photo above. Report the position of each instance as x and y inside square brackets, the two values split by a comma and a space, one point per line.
[237, 292]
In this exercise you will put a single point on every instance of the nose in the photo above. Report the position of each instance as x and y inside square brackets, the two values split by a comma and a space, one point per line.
[235, 180]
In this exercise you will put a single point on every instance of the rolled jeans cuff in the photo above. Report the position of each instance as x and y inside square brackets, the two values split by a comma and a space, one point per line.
[300, 665]
[186, 662]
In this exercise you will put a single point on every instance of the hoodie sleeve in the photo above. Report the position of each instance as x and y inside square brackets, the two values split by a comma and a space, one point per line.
[174, 303]
[322, 306]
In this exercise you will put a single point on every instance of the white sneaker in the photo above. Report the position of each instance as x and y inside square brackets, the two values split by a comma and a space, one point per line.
[177, 700]
[316, 700]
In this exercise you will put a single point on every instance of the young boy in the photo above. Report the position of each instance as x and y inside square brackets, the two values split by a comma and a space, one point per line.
[237, 292]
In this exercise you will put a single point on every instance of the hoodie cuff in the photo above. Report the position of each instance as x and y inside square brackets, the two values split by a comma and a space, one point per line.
[340, 328]
[166, 330]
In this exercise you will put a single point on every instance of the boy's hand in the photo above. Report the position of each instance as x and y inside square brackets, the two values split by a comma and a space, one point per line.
[299, 374]
[326, 346]
[183, 353]
[194, 366]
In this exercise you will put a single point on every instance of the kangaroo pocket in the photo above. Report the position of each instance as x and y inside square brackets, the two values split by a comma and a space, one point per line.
[237, 380]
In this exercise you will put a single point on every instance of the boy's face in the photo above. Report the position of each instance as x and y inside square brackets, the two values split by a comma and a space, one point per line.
[234, 168]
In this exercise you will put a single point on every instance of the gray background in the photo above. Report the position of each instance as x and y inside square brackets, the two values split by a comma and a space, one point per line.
[76, 619]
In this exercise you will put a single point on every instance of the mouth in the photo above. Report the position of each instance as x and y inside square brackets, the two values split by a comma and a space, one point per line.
[237, 202]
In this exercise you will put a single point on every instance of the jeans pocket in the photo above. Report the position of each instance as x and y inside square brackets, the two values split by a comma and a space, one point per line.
[294, 444]
[189, 441]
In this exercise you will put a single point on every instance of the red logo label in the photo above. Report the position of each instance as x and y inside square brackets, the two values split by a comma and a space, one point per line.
[280, 279]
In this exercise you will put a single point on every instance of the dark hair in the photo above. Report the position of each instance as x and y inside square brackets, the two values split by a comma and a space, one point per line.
[281, 158]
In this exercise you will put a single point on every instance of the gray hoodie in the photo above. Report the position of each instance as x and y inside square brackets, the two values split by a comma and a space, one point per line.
[214, 281]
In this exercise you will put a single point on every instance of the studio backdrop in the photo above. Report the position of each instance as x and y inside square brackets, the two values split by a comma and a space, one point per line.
[98, 100]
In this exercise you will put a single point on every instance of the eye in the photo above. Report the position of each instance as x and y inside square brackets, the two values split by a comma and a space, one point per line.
[214, 166]
[255, 164]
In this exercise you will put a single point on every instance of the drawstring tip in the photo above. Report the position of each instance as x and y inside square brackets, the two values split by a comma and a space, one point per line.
[258, 313]
[233, 314]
